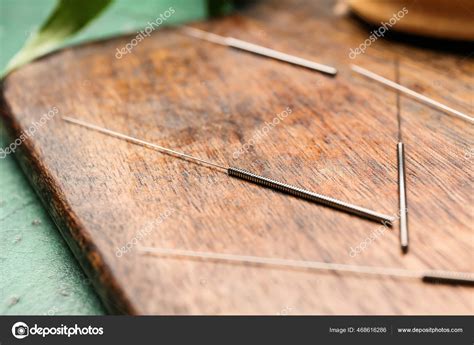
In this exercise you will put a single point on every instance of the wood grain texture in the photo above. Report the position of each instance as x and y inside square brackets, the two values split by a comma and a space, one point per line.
[208, 100]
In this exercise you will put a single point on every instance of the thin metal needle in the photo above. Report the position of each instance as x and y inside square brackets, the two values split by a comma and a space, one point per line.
[411, 93]
[402, 198]
[250, 177]
[430, 276]
[142, 143]
[402, 193]
[257, 49]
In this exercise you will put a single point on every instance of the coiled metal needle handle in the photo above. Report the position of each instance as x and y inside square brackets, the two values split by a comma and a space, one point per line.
[305, 194]
[245, 175]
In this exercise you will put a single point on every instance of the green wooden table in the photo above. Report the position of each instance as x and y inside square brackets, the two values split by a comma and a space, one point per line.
[38, 274]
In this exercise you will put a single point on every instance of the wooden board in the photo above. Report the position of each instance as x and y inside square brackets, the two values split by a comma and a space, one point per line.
[208, 100]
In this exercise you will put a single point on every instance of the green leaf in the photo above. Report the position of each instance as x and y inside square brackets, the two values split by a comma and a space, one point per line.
[219, 7]
[68, 18]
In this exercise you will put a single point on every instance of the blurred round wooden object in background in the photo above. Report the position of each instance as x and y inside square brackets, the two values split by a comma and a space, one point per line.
[449, 19]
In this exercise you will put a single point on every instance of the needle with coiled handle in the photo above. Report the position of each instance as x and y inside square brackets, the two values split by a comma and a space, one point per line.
[250, 177]
[427, 276]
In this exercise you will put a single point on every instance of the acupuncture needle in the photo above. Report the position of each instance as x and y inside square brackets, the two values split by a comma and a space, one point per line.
[249, 177]
[427, 276]
[413, 94]
[402, 193]
[257, 49]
